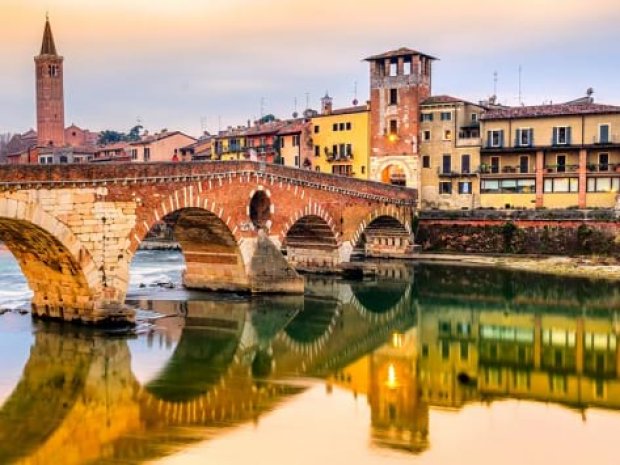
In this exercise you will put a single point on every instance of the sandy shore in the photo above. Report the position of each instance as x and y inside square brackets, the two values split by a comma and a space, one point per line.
[581, 267]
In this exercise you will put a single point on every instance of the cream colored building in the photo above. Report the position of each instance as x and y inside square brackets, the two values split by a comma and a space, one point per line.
[450, 153]
[551, 156]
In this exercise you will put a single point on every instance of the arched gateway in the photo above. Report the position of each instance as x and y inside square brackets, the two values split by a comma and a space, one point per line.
[75, 228]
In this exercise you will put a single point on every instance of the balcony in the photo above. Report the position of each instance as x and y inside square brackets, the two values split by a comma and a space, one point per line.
[604, 168]
[455, 174]
[491, 171]
[611, 139]
[560, 169]
[335, 157]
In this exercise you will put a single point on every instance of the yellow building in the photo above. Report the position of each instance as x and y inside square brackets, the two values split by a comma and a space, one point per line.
[341, 140]
[551, 156]
[230, 144]
[450, 153]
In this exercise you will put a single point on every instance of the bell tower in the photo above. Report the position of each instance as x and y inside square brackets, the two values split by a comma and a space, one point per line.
[50, 93]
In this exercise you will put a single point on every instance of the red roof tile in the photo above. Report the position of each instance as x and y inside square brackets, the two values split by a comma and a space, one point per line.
[540, 111]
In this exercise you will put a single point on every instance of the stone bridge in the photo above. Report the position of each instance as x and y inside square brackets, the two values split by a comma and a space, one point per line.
[242, 226]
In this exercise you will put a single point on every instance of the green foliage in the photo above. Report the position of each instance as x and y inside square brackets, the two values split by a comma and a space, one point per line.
[111, 137]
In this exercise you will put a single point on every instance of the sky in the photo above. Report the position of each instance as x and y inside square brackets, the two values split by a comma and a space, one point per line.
[197, 65]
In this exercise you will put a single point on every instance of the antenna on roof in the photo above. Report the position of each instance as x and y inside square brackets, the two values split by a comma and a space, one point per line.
[295, 114]
[520, 85]
[355, 101]
[495, 79]
[307, 100]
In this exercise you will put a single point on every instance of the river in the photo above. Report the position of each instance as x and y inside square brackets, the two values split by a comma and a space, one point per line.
[425, 364]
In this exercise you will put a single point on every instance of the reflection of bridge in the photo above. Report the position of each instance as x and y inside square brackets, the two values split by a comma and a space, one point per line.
[74, 229]
[78, 400]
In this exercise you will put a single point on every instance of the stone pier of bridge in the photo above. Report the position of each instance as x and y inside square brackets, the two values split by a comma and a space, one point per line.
[242, 226]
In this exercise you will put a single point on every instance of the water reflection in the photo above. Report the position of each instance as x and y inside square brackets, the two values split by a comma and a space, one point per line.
[409, 342]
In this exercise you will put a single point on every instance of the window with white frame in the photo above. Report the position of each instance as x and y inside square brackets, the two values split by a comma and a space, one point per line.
[496, 138]
[524, 137]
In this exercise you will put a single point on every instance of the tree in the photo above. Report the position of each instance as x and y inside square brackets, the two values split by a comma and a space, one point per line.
[111, 137]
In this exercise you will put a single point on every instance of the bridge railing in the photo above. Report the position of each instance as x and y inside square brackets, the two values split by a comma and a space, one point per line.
[54, 176]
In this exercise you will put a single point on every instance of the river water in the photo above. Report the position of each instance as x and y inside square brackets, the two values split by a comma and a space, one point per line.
[424, 364]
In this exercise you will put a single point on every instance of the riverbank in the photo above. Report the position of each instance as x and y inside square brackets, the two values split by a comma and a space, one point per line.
[579, 267]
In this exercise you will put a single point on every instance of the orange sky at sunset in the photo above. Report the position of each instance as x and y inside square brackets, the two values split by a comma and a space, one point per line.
[190, 64]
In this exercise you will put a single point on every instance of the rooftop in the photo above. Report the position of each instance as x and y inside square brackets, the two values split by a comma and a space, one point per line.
[444, 99]
[403, 51]
[541, 111]
[48, 47]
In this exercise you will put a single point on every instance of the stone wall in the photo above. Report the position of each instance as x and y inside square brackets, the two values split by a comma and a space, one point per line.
[567, 232]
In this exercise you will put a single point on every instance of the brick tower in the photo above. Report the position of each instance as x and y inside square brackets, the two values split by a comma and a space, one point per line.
[400, 80]
[50, 95]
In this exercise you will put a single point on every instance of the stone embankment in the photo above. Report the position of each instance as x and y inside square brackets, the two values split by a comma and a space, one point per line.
[547, 232]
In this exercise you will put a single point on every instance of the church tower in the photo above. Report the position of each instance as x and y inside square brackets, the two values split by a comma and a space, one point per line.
[50, 94]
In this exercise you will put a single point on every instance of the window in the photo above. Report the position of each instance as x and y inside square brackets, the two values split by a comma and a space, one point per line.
[561, 185]
[147, 153]
[407, 67]
[282, 142]
[524, 138]
[446, 116]
[393, 96]
[494, 165]
[495, 138]
[603, 134]
[517, 186]
[474, 117]
[296, 160]
[348, 126]
[335, 127]
[447, 134]
[465, 187]
[393, 126]
[317, 129]
[426, 136]
[335, 150]
[317, 168]
[446, 164]
[341, 127]
[464, 350]
[524, 164]
[603, 185]
[363, 170]
[445, 350]
[342, 170]
[393, 68]
[317, 150]
[296, 139]
[465, 164]
[46, 159]
[445, 187]
[562, 135]
[561, 163]
[134, 154]
[427, 117]
[342, 150]
[603, 162]
[349, 149]
[426, 161]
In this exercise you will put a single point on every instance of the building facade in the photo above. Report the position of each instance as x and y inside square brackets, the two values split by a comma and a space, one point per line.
[340, 140]
[161, 147]
[552, 156]
[450, 153]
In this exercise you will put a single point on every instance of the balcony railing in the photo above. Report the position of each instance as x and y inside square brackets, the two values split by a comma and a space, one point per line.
[561, 168]
[604, 168]
[334, 157]
[455, 174]
[611, 139]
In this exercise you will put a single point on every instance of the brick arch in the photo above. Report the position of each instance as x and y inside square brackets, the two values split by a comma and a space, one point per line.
[388, 211]
[59, 269]
[188, 197]
[311, 209]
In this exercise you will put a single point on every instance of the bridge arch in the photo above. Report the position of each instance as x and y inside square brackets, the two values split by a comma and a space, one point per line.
[386, 232]
[212, 252]
[59, 269]
[312, 241]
